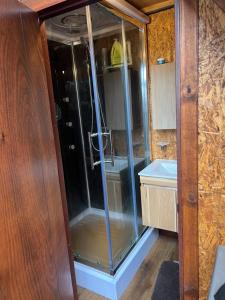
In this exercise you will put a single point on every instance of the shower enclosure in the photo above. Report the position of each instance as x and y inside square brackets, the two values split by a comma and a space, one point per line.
[102, 117]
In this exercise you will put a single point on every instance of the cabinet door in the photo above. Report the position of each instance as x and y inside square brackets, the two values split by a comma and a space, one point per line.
[159, 207]
[34, 256]
[115, 199]
[114, 99]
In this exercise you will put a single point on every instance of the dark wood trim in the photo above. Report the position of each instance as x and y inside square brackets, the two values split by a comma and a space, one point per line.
[43, 7]
[37, 5]
[63, 7]
[58, 151]
[187, 144]
[221, 4]
[34, 262]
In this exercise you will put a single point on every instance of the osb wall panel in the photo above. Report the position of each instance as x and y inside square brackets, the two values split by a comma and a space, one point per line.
[211, 138]
[161, 43]
[161, 35]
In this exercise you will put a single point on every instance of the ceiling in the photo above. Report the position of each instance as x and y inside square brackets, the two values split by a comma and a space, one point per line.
[143, 3]
[72, 26]
[149, 6]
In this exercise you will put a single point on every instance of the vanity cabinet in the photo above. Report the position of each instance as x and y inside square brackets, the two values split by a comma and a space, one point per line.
[115, 192]
[159, 203]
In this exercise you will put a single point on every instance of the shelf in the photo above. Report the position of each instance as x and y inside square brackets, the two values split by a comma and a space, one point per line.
[116, 66]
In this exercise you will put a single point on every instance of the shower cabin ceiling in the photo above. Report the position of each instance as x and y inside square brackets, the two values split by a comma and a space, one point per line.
[72, 25]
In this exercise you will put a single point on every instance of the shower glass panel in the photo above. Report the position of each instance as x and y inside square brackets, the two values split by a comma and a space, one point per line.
[76, 118]
[136, 58]
[99, 80]
[111, 85]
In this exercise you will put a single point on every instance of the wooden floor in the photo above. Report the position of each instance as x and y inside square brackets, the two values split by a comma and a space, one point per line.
[89, 239]
[141, 288]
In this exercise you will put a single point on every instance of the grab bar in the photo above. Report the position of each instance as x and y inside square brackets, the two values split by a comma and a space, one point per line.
[90, 139]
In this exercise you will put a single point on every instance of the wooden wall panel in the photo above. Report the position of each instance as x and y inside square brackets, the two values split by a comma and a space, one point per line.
[34, 261]
[161, 43]
[211, 138]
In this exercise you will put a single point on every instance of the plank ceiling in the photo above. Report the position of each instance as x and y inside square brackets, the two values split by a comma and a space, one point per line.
[140, 4]
[149, 6]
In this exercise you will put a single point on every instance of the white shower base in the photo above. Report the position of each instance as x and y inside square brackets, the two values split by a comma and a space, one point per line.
[112, 287]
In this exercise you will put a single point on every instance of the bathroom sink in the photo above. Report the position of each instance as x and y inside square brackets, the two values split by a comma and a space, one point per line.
[161, 168]
[170, 167]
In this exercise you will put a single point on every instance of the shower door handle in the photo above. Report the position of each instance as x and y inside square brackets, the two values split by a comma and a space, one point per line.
[93, 162]
[96, 163]
[109, 134]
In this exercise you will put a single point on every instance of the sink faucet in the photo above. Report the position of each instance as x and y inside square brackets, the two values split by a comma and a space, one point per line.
[163, 145]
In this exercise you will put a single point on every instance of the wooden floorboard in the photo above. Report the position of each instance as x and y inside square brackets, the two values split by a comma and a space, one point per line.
[141, 288]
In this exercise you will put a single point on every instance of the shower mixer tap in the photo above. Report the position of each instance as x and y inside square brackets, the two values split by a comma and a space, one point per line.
[90, 138]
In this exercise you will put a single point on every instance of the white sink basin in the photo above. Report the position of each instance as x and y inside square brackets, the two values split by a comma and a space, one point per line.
[161, 168]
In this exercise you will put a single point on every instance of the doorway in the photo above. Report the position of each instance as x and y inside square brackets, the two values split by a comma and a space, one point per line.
[186, 34]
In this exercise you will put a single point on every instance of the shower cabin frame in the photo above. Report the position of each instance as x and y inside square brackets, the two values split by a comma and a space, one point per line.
[144, 109]
[187, 128]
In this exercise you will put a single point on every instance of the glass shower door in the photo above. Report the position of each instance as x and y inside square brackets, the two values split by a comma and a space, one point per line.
[69, 53]
[114, 97]
[136, 48]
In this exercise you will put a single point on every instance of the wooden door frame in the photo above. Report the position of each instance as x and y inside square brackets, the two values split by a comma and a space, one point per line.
[33, 220]
[187, 18]
[58, 153]
[187, 133]
[44, 14]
